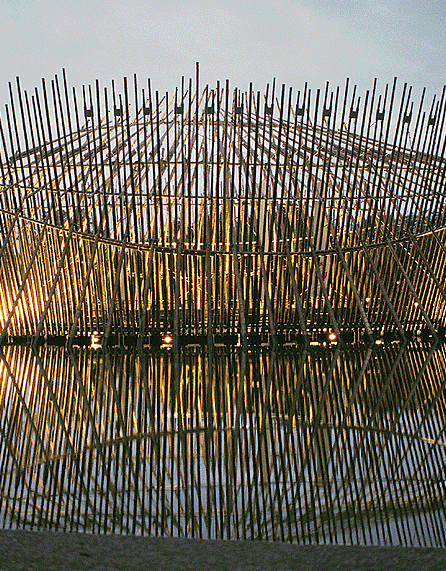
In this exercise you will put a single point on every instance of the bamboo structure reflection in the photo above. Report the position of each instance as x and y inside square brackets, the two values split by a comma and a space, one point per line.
[307, 446]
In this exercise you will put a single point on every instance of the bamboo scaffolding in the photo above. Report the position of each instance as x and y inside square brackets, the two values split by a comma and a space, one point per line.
[236, 205]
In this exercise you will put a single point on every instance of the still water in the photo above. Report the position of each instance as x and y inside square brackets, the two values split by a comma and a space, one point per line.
[318, 446]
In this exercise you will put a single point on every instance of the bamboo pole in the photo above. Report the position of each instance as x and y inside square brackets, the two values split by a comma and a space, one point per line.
[41, 237]
[57, 275]
[412, 290]
[115, 292]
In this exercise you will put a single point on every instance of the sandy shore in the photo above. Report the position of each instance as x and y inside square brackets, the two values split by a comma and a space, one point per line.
[24, 550]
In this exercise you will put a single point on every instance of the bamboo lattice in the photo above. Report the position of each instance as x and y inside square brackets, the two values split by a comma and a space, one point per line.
[318, 446]
[221, 215]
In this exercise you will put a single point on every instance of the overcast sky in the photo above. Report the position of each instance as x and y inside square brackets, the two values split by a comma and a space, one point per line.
[243, 40]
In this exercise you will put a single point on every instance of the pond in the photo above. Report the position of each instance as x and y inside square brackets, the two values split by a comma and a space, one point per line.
[305, 446]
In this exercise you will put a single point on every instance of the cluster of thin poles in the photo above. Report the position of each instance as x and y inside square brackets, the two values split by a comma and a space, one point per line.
[301, 446]
[220, 212]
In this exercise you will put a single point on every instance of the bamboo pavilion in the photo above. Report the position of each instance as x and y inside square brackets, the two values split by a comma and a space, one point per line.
[213, 215]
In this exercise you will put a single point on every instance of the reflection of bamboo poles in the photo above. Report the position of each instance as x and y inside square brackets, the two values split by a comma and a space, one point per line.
[313, 446]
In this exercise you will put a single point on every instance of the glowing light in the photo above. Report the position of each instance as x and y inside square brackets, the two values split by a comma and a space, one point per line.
[379, 342]
[332, 337]
[95, 340]
[167, 339]
[368, 299]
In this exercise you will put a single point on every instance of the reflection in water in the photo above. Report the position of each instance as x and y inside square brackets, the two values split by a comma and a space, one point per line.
[309, 447]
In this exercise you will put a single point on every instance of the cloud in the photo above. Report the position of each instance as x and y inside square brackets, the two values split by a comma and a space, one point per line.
[296, 41]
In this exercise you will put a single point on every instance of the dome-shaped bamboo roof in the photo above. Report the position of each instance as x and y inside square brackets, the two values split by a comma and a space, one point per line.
[218, 213]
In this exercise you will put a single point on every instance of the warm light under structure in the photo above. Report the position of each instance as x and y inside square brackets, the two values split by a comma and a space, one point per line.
[219, 213]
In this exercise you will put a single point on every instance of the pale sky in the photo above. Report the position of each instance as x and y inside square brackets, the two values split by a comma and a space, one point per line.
[245, 40]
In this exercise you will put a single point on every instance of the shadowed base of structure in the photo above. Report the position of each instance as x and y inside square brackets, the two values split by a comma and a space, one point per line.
[70, 551]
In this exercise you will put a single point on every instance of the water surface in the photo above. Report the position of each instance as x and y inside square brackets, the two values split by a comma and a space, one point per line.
[319, 446]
